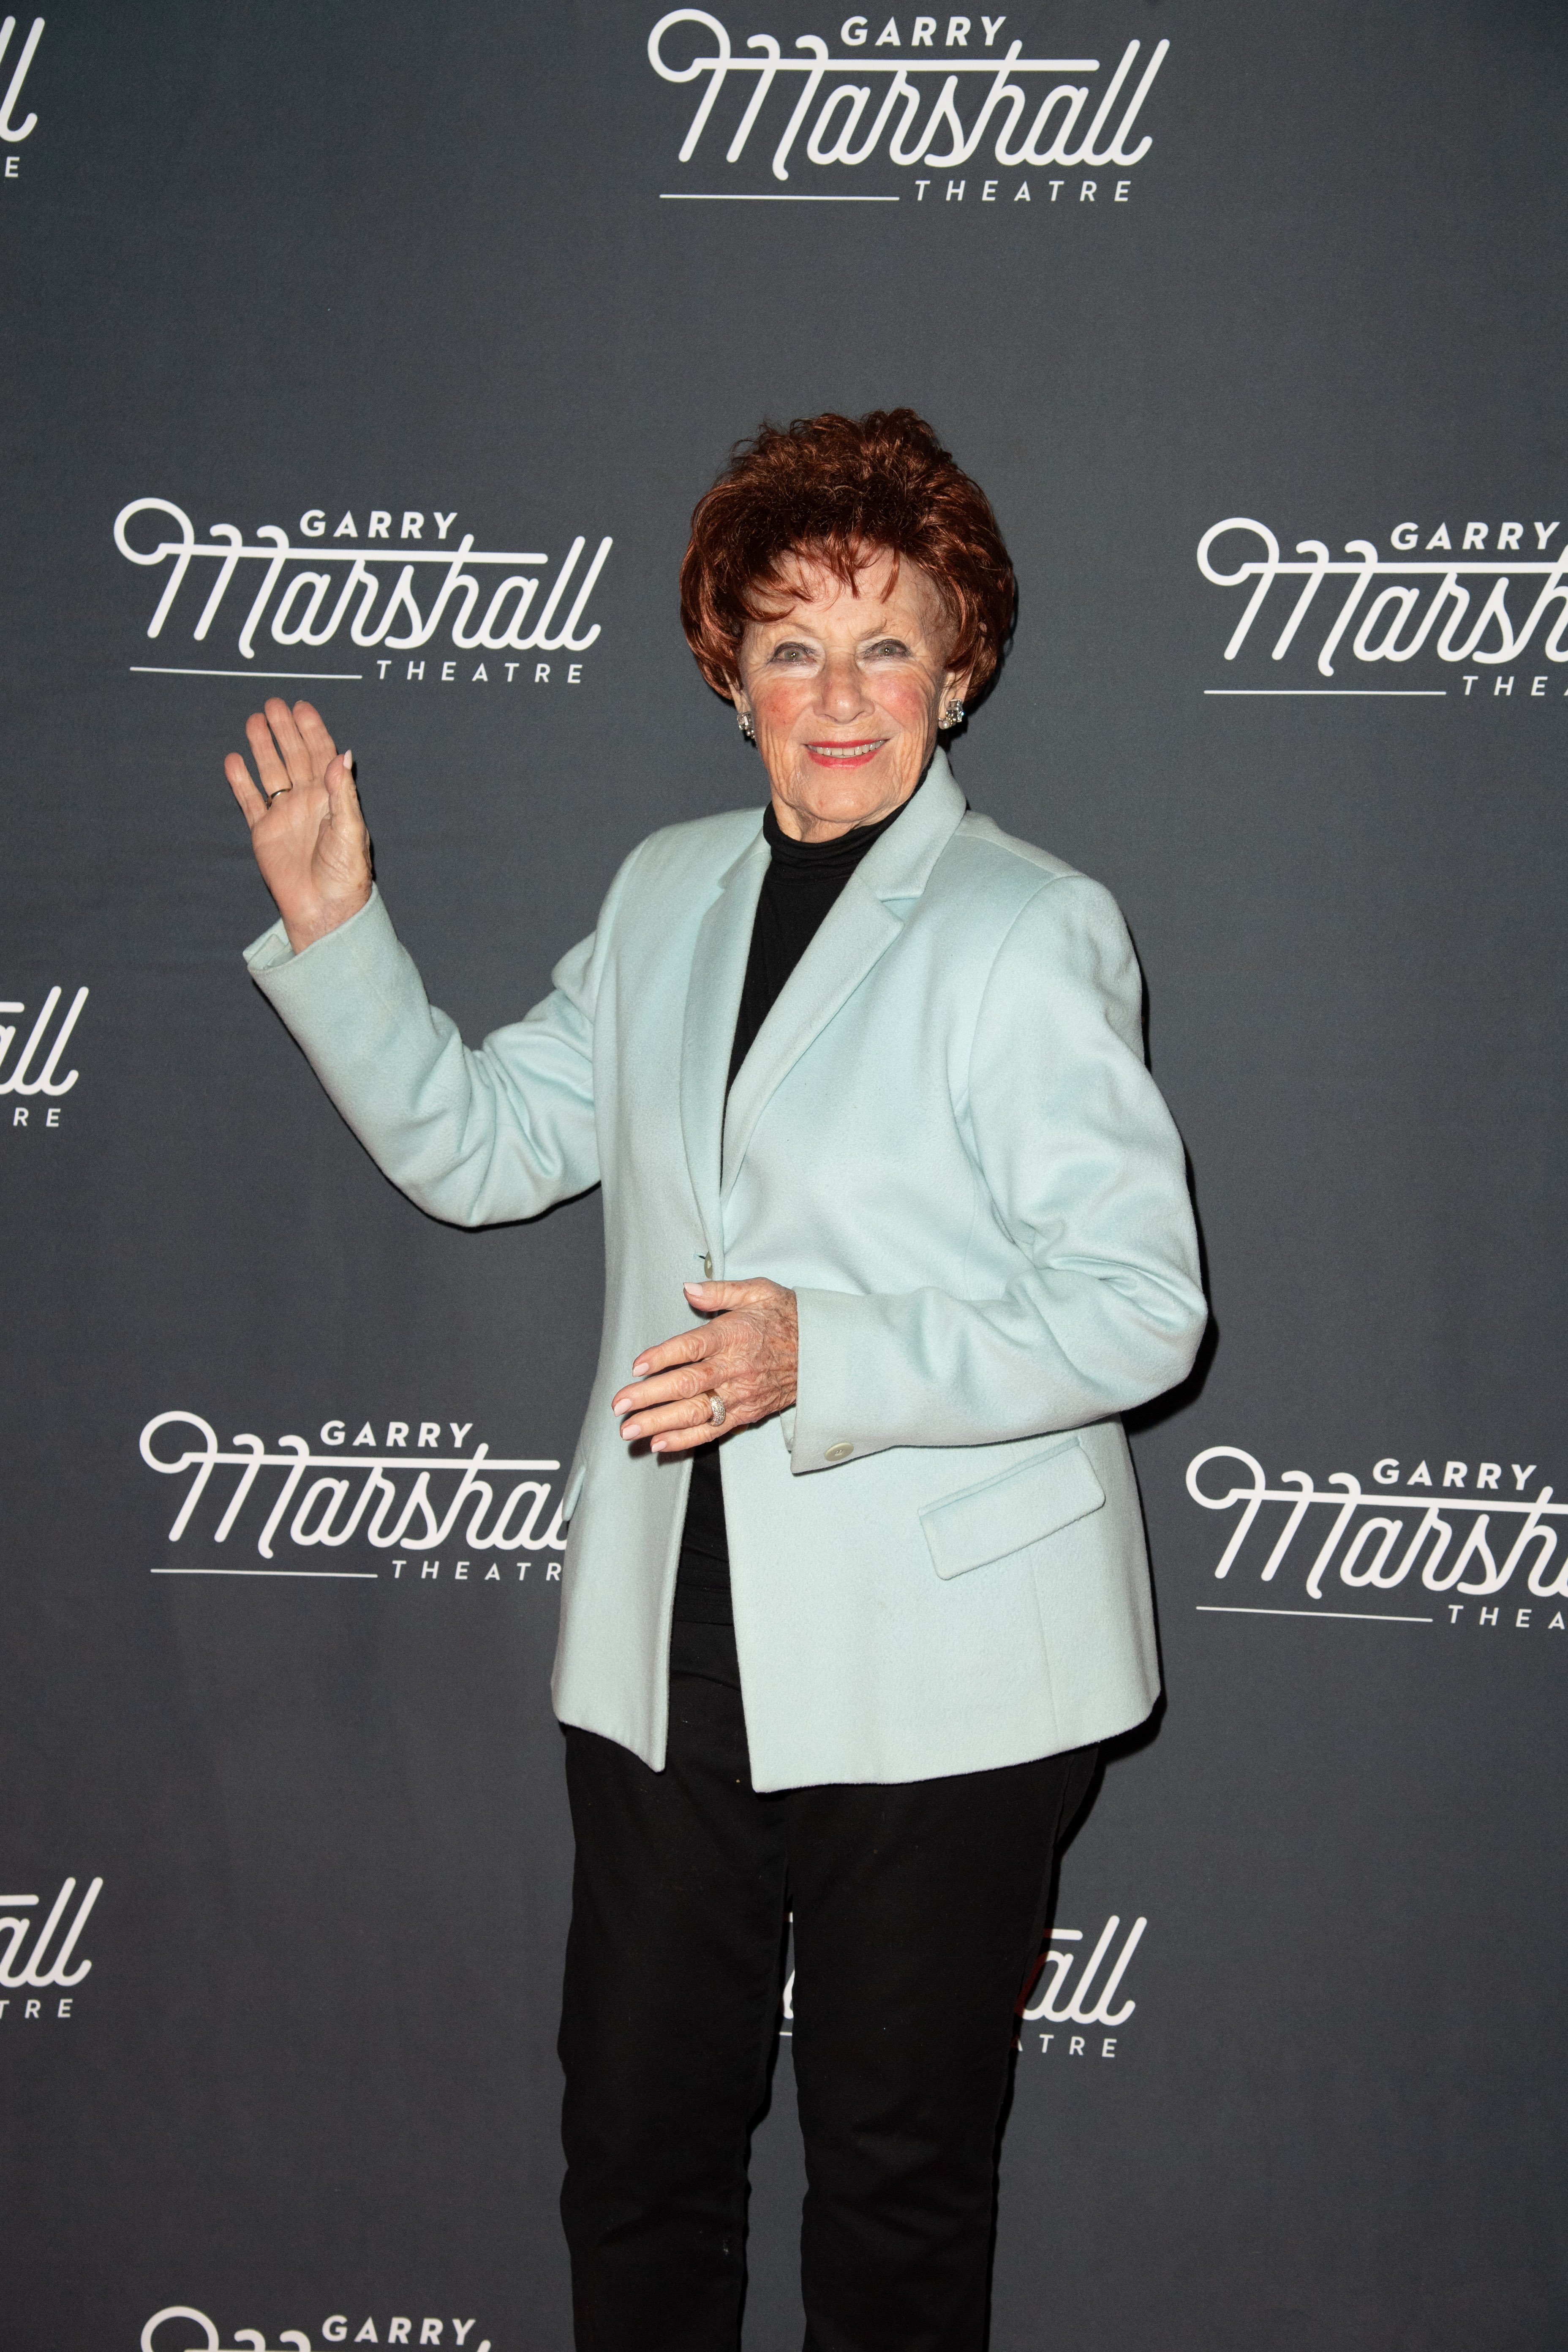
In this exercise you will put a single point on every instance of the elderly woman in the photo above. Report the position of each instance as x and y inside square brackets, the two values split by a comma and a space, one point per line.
[856, 1580]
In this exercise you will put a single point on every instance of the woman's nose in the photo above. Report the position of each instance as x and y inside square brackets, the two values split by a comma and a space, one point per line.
[841, 694]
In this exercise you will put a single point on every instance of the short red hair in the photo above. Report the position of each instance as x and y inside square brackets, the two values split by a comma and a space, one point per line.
[839, 490]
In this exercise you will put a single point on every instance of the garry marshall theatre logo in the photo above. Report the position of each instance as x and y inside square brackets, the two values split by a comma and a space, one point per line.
[1072, 1996]
[170, 2330]
[374, 590]
[1481, 599]
[437, 1516]
[1464, 1540]
[12, 131]
[36, 1070]
[36, 1963]
[1071, 2012]
[913, 103]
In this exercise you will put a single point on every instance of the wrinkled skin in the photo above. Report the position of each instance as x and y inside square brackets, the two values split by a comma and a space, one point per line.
[306, 828]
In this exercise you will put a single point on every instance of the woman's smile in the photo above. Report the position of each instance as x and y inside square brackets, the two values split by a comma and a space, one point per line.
[845, 755]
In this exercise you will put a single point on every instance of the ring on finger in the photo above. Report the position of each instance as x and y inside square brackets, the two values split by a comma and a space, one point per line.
[278, 793]
[716, 1407]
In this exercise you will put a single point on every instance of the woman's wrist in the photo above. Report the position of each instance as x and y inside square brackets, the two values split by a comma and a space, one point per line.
[304, 930]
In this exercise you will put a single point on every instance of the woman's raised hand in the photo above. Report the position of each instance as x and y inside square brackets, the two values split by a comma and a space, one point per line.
[306, 828]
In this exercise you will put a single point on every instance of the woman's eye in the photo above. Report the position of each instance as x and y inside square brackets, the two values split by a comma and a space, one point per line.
[792, 653]
[888, 649]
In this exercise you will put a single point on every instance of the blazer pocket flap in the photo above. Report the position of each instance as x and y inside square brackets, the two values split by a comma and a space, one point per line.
[1022, 1506]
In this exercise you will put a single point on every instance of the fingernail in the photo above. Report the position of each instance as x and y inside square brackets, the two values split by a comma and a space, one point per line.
[631, 1429]
[348, 763]
[640, 1367]
[692, 1288]
[658, 1446]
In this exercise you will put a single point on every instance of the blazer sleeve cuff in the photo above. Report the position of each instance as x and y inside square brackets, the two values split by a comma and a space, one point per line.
[363, 950]
[839, 1371]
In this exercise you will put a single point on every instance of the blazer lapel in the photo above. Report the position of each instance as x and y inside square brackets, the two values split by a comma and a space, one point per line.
[856, 935]
[708, 1035]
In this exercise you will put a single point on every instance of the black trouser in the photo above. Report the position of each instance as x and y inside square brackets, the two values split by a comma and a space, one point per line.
[919, 1909]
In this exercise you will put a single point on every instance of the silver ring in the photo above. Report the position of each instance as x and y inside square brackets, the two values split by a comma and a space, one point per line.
[278, 793]
[716, 1407]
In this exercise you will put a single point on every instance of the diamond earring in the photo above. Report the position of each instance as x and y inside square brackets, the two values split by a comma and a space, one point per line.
[747, 730]
[954, 715]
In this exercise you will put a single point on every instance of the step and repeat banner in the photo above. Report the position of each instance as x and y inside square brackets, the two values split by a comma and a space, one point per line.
[376, 353]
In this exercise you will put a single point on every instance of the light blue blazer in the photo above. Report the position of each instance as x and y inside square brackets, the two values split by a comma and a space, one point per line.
[945, 1142]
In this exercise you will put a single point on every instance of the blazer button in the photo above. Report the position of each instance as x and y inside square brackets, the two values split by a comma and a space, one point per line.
[839, 1453]
[707, 1264]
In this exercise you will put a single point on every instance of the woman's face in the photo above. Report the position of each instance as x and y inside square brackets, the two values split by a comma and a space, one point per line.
[845, 690]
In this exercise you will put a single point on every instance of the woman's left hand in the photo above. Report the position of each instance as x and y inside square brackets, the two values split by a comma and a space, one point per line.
[746, 1356]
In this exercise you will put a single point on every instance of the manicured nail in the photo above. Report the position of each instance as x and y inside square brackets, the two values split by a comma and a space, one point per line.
[640, 1367]
[348, 763]
[630, 1429]
[659, 1445]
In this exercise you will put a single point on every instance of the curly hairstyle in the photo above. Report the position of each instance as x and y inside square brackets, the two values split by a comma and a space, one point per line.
[838, 490]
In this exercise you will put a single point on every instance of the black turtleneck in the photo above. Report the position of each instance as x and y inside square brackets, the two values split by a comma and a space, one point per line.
[803, 880]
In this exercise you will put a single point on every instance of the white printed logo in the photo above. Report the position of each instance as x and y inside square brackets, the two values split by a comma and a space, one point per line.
[1428, 595]
[12, 131]
[36, 1955]
[1052, 1999]
[914, 106]
[1448, 1539]
[1051, 1996]
[160, 2334]
[384, 592]
[361, 1496]
[23, 1078]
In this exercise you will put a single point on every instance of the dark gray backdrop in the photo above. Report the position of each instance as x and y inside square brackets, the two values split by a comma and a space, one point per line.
[267, 262]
